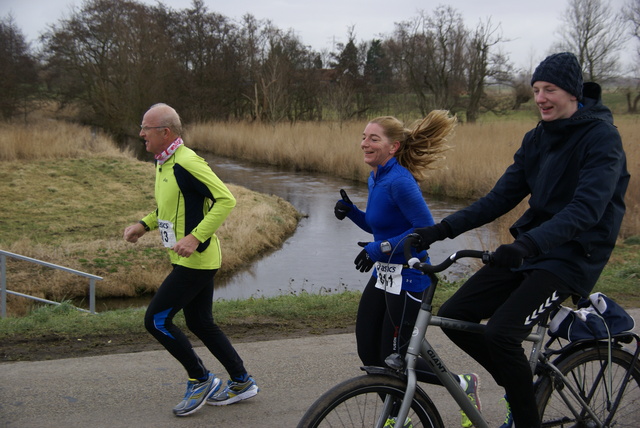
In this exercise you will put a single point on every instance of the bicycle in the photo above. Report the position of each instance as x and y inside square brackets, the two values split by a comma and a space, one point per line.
[586, 383]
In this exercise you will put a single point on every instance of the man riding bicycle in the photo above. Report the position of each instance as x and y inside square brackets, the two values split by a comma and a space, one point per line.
[573, 169]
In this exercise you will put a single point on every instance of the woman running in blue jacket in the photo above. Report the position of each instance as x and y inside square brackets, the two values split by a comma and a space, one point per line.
[399, 158]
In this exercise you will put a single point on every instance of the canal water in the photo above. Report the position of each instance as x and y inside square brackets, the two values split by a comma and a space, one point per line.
[318, 257]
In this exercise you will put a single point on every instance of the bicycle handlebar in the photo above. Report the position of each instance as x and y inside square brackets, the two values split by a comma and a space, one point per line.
[426, 268]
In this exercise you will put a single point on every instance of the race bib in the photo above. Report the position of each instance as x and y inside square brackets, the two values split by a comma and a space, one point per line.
[167, 234]
[389, 277]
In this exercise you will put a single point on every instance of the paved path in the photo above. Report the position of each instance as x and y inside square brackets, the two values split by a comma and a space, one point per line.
[140, 389]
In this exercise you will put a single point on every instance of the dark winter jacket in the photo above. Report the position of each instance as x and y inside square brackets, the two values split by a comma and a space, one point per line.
[575, 173]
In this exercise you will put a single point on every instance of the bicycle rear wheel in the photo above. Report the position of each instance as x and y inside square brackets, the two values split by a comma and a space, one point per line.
[585, 371]
[358, 402]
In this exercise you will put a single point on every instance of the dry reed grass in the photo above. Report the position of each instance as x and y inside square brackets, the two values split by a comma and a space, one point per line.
[479, 155]
[310, 146]
[630, 131]
[49, 139]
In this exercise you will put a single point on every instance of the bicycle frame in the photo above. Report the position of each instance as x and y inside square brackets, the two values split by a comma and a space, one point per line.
[573, 382]
[420, 346]
[569, 350]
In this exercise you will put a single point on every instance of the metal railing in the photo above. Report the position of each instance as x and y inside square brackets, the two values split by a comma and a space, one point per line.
[4, 291]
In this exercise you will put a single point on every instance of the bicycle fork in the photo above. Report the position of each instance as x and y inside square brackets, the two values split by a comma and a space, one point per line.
[419, 346]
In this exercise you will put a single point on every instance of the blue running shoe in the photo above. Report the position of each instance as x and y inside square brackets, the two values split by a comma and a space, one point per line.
[234, 392]
[473, 386]
[197, 394]
[508, 419]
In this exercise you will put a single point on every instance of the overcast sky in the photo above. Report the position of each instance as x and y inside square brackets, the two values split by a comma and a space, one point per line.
[531, 26]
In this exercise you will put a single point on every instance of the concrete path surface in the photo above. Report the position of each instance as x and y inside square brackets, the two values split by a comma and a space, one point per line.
[140, 389]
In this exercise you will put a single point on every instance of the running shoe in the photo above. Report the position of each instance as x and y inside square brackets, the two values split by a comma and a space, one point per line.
[391, 423]
[197, 394]
[473, 386]
[508, 419]
[234, 392]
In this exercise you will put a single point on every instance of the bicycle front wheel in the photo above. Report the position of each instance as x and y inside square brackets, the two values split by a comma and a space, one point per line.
[601, 386]
[359, 402]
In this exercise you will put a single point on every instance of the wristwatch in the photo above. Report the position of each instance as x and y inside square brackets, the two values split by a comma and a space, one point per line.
[385, 247]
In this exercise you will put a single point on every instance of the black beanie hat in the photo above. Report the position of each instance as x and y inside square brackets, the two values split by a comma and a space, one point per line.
[563, 70]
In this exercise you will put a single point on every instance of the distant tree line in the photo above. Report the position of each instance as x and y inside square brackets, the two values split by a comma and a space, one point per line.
[114, 58]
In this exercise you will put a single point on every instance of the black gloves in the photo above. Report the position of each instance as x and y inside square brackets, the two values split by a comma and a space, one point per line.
[512, 255]
[343, 206]
[363, 262]
[429, 235]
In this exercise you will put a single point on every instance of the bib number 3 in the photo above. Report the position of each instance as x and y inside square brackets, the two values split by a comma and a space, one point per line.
[389, 277]
[167, 234]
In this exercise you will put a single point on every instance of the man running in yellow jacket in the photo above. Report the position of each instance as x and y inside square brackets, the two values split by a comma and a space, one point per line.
[192, 202]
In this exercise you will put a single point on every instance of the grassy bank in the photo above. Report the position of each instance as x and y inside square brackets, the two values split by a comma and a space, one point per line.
[283, 314]
[54, 332]
[69, 203]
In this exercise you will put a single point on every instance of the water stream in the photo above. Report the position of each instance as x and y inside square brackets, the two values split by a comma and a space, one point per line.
[318, 258]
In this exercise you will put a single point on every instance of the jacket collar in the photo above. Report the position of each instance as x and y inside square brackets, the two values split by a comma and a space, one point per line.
[384, 169]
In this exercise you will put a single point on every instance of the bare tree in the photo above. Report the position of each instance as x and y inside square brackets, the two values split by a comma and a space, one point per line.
[348, 87]
[631, 13]
[278, 73]
[18, 71]
[207, 64]
[481, 64]
[446, 41]
[276, 76]
[111, 58]
[443, 64]
[340, 97]
[595, 33]
[300, 66]
[428, 56]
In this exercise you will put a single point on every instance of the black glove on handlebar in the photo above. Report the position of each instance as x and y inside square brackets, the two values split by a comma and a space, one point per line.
[512, 255]
[363, 262]
[343, 206]
[431, 234]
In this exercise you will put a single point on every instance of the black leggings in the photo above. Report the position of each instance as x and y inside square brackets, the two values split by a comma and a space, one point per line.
[384, 325]
[192, 291]
[513, 302]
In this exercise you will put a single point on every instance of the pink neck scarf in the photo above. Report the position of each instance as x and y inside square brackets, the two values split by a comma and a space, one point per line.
[166, 154]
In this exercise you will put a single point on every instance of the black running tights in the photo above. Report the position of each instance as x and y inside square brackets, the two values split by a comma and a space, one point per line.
[190, 290]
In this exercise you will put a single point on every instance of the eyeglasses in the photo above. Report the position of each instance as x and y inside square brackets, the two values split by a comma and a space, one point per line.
[146, 128]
